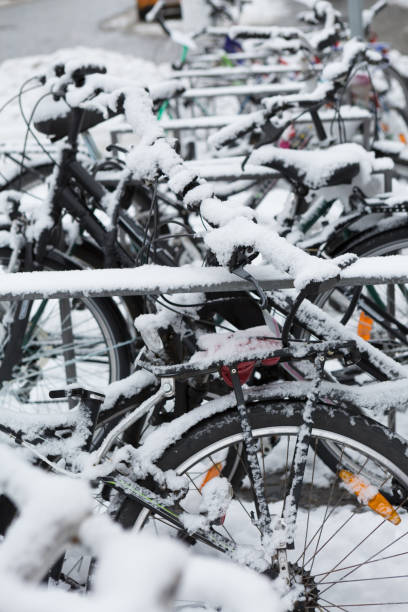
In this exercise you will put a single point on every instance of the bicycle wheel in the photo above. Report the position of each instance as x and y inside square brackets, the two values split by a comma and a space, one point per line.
[392, 94]
[68, 341]
[381, 312]
[340, 543]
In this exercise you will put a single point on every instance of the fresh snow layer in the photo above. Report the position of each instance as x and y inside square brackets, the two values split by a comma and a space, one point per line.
[155, 279]
[14, 72]
[264, 11]
[140, 571]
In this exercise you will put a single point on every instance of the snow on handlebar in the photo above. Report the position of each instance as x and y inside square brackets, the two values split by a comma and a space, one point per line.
[153, 157]
[333, 76]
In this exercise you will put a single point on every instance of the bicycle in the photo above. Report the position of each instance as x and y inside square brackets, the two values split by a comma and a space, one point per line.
[207, 446]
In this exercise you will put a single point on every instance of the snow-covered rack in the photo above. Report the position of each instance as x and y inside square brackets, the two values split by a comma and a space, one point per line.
[349, 115]
[155, 280]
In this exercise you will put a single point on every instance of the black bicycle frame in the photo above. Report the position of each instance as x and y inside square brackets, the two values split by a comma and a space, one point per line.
[64, 197]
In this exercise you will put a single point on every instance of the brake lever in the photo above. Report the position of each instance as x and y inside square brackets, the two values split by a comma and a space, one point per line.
[264, 301]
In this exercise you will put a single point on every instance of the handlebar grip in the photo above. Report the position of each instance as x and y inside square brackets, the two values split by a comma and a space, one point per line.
[79, 74]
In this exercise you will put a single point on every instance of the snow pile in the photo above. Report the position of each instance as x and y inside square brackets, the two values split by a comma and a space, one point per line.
[144, 573]
[317, 168]
[264, 11]
[14, 72]
[230, 348]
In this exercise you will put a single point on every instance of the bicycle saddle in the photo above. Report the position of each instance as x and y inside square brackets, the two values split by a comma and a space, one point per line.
[337, 165]
[58, 127]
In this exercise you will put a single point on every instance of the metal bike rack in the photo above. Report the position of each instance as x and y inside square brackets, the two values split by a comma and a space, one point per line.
[156, 280]
[266, 89]
[239, 71]
[219, 121]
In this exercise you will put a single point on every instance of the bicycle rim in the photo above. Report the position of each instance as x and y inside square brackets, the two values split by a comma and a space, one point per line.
[341, 545]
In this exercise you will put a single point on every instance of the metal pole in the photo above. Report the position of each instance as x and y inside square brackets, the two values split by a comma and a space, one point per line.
[355, 13]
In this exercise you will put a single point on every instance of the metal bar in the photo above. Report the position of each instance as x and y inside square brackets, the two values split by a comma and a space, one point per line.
[217, 57]
[234, 172]
[242, 90]
[218, 121]
[235, 71]
[355, 15]
[68, 343]
[367, 132]
[156, 280]
[387, 181]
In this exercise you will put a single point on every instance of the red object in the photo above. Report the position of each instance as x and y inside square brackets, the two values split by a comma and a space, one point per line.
[245, 369]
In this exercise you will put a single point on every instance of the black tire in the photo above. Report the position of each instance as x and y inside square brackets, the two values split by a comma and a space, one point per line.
[336, 302]
[381, 455]
[394, 302]
[29, 177]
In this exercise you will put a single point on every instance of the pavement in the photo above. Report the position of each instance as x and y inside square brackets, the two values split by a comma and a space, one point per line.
[31, 27]
[43, 26]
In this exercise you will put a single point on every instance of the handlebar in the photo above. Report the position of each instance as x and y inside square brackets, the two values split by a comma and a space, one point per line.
[74, 74]
[335, 77]
[88, 87]
[154, 157]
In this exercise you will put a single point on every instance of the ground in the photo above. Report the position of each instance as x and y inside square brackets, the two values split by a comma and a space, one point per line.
[43, 26]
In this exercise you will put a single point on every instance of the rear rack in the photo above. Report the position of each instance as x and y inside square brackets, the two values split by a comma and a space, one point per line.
[296, 351]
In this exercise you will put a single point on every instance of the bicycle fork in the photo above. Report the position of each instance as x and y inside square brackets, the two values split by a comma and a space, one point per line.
[285, 528]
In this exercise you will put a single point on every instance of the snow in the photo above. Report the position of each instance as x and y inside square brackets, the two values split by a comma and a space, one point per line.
[264, 11]
[157, 280]
[142, 572]
[146, 574]
[14, 72]
[51, 509]
[316, 168]
[256, 342]
[216, 497]
[126, 388]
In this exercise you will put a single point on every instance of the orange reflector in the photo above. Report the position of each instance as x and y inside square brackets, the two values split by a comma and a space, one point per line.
[385, 127]
[376, 501]
[365, 325]
[213, 472]
[402, 138]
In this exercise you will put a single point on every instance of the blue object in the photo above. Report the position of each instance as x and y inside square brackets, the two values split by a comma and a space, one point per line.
[231, 45]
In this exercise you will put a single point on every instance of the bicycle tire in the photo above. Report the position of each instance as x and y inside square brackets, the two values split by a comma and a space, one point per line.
[386, 242]
[366, 439]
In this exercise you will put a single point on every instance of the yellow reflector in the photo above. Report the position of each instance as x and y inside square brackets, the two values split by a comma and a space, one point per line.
[365, 325]
[213, 472]
[370, 496]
